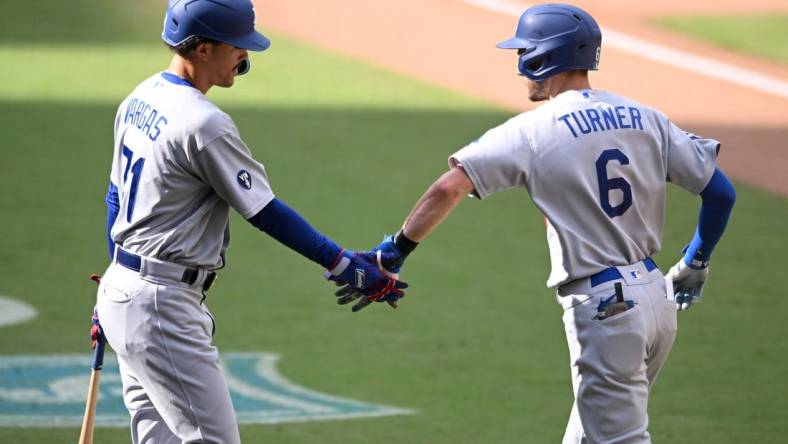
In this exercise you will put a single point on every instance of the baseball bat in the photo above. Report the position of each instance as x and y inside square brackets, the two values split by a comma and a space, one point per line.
[89, 420]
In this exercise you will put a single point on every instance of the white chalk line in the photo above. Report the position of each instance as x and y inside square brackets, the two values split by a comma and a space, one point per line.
[663, 54]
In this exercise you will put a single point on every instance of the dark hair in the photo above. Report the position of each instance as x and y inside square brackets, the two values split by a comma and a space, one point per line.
[190, 44]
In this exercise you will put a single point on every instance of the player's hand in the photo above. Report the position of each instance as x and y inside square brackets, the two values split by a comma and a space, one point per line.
[362, 275]
[96, 332]
[687, 283]
[347, 294]
[391, 260]
[395, 260]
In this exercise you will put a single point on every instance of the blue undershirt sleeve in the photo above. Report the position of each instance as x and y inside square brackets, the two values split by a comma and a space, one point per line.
[717, 202]
[288, 227]
[113, 205]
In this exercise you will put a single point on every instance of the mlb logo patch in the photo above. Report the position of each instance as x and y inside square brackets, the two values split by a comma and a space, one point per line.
[634, 274]
[245, 179]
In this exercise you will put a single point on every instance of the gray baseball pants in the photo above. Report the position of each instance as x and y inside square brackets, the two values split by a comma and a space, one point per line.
[615, 360]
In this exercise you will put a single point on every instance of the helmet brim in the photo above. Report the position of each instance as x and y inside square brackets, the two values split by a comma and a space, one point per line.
[513, 43]
[254, 41]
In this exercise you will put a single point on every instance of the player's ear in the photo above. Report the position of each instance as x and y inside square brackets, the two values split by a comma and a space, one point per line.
[203, 50]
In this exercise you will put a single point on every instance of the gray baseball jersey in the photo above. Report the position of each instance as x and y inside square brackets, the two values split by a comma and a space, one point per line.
[596, 165]
[179, 165]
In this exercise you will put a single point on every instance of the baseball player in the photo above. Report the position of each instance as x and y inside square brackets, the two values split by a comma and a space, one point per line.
[179, 165]
[596, 165]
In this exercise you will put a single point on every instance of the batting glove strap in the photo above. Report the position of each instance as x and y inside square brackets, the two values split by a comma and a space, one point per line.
[361, 270]
[695, 261]
[393, 256]
[698, 264]
[340, 263]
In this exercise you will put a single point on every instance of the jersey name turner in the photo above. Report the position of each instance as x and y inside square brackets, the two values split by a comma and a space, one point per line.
[603, 119]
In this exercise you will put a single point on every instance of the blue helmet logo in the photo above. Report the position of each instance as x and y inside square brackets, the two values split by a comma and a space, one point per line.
[555, 38]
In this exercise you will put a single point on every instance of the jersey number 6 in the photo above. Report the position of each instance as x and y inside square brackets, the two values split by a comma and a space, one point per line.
[136, 169]
[606, 184]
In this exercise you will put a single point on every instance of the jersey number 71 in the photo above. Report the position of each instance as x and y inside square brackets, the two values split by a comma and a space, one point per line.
[136, 171]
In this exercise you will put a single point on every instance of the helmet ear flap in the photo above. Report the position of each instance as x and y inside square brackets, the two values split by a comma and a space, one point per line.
[529, 66]
[537, 63]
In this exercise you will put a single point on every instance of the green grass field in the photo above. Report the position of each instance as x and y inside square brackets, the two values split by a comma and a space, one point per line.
[760, 35]
[477, 347]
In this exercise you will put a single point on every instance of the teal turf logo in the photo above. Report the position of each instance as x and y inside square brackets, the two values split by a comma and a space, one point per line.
[50, 390]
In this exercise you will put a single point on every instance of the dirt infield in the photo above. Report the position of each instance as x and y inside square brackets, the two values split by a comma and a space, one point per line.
[451, 43]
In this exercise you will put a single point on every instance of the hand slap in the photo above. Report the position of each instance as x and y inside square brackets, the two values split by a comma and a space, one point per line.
[391, 294]
[363, 275]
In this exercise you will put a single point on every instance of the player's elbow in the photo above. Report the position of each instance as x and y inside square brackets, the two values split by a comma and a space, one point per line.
[729, 197]
[719, 191]
[454, 184]
[447, 190]
[443, 190]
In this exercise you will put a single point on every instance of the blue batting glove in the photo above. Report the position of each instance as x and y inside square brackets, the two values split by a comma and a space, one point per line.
[362, 274]
[348, 293]
[397, 259]
[96, 332]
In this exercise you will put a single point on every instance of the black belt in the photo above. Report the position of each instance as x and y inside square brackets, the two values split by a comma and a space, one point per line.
[190, 275]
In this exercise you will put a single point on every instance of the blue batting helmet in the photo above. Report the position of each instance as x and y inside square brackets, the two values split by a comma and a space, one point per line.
[228, 21]
[555, 38]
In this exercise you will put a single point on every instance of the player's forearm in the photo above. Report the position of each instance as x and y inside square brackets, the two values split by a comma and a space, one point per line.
[718, 199]
[113, 206]
[288, 227]
[436, 204]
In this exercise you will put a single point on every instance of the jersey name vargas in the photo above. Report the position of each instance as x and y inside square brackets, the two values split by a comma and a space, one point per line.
[591, 120]
[145, 118]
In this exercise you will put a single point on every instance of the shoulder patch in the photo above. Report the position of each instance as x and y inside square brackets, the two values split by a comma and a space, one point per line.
[244, 179]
